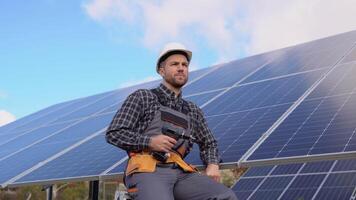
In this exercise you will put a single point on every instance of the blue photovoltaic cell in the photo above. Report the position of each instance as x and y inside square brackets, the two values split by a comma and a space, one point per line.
[297, 184]
[11, 128]
[258, 171]
[305, 57]
[108, 104]
[314, 167]
[272, 187]
[338, 186]
[105, 103]
[89, 110]
[118, 169]
[303, 187]
[225, 76]
[239, 117]
[91, 159]
[261, 94]
[114, 108]
[340, 81]
[29, 157]
[202, 98]
[345, 165]
[351, 57]
[287, 169]
[125, 92]
[197, 74]
[236, 132]
[12, 144]
[319, 125]
[73, 107]
[246, 186]
[9, 136]
[24, 160]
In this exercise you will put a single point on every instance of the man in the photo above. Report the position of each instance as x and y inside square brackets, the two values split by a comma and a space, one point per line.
[157, 128]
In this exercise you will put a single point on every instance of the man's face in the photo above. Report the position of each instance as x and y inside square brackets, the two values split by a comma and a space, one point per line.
[175, 70]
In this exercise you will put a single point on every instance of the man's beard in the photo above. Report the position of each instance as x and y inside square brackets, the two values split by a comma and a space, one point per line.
[177, 83]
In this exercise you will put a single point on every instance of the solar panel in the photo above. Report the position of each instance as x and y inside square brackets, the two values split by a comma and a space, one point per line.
[225, 75]
[70, 108]
[91, 159]
[324, 123]
[12, 144]
[241, 99]
[109, 153]
[34, 153]
[11, 127]
[319, 180]
[239, 117]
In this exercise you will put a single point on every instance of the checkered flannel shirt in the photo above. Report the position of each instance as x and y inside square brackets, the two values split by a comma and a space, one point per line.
[127, 127]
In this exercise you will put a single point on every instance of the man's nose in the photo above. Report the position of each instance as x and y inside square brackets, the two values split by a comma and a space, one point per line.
[180, 67]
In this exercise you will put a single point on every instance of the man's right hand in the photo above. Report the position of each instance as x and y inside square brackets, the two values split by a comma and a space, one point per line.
[162, 143]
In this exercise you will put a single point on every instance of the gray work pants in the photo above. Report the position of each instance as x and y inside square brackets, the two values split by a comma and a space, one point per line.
[174, 184]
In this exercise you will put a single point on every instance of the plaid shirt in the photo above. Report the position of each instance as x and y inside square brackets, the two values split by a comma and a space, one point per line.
[127, 127]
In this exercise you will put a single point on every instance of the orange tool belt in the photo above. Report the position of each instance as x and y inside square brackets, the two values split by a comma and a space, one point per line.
[145, 162]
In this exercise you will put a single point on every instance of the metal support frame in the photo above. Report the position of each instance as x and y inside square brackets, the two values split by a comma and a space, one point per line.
[49, 191]
[353, 196]
[298, 159]
[94, 190]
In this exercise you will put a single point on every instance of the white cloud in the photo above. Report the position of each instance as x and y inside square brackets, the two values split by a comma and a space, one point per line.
[228, 27]
[6, 117]
[136, 82]
[279, 23]
[174, 20]
[102, 10]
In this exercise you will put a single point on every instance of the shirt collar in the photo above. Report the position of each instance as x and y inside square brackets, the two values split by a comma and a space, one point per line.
[169, 92]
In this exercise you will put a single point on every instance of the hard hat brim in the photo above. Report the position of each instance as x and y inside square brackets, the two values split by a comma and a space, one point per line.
[163, 57]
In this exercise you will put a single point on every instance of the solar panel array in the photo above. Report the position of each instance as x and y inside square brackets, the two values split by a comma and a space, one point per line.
[325, 122]
[326, 180]
[293, 102]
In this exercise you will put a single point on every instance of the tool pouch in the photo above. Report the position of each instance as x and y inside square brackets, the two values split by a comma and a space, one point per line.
[175, 158]
[141, 163]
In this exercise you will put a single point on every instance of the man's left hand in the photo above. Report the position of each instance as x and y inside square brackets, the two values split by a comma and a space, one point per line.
[212, 170]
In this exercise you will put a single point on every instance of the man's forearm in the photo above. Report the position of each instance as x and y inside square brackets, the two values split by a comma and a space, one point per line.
[127, 140]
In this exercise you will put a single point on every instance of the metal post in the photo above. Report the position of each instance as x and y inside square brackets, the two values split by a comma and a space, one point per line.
[49, 192]
[94, 190]
[103, 189]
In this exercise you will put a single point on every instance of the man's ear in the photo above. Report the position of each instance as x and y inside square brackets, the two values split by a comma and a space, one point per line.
[161, 71]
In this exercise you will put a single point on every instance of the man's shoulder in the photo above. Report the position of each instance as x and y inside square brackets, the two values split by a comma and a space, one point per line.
[142, 94]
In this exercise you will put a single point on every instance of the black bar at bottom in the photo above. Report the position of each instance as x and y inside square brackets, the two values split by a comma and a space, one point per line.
[94, 190]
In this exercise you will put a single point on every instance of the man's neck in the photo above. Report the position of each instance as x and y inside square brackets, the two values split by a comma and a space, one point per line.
[176, 91]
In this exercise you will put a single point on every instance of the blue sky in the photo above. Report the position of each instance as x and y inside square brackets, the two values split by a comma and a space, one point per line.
[55, 50]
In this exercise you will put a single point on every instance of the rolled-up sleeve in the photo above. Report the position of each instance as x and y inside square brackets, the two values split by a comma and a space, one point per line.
[122, 131]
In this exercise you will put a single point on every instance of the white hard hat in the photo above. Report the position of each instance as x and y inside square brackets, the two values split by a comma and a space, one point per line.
[170, 49]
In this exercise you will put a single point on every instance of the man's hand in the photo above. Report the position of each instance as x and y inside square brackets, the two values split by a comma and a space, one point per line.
[162, 143]
[212, 170]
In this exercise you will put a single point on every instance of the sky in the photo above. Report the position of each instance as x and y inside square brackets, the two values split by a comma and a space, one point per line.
[58, 50]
